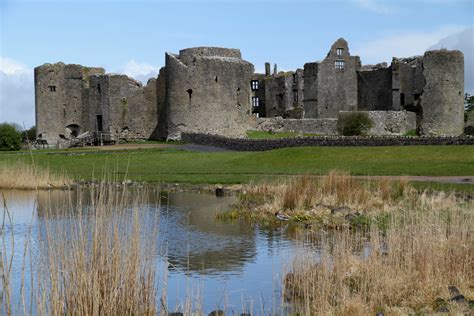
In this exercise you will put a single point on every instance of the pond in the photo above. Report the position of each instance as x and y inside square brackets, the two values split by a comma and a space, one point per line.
[234, 266]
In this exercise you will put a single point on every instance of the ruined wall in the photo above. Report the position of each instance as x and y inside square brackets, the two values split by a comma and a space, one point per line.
[337, 81]
[128, 110]
[310, 98]
[389, 122]
[61, 100]
[208, 91]
[278, 94]
[305, 126]
[374, 89]
[258, 92]
[442, 101]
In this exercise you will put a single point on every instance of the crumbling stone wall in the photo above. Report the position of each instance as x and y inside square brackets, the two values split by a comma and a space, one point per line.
[389, 122]
[259, 93]
[305, 126]
[375, 89]
[128, 110]
[442, 101]
[310, 99]
[208, 91]
[61, 101]
[337, 81]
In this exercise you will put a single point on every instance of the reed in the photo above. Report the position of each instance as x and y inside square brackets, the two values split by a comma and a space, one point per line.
[407, 269]
[95, 256]
[323, 199]
[21, 175]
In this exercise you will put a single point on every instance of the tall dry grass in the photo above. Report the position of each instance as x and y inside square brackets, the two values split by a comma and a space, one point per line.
[311, 197]
[93, 258]
[428, 246]
[19, 175]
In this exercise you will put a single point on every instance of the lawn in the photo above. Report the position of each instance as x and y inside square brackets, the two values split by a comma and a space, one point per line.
[175, 165]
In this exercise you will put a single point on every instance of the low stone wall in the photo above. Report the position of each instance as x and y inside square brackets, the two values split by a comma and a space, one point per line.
[305, 126]
[243, 144]
[389, 122]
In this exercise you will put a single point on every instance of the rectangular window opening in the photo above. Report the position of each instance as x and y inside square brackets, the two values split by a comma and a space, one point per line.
[295, 78]
[99, 123]
[339, 64]
[254, 85]
[295, 95]
[52, 88]
[255, 102]
[339, 51]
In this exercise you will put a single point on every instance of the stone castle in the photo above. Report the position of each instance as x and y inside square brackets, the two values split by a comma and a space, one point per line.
[213, 90]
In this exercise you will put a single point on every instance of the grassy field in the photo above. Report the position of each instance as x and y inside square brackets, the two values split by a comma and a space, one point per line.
[175, 165]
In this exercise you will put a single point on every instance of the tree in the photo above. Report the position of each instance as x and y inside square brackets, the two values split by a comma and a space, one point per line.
[354, 124]
[468, 102]
[10, 138]
[29, 134]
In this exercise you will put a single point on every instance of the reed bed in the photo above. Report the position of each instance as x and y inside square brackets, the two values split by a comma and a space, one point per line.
[95, 255]
[325, 200]
[20, 175]
[408, 268]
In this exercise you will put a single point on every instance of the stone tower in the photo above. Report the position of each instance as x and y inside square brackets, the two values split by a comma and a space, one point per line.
[208, 91]
[61, 100]
[442, 100]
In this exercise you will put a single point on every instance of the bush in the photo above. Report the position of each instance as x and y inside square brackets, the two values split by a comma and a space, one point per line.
[10, 138]
[29, 134]
[354, 124]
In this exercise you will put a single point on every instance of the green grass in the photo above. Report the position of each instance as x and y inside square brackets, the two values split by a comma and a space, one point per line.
[175, 165]
[275, 135]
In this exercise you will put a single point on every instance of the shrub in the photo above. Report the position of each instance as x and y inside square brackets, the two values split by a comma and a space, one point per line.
[29, 134]
[354, 123]
[10, 138]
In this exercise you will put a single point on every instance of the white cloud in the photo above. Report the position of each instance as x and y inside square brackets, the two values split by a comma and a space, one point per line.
[402, 45]
[17, 94]
[139, 71]
[376, 6]
[463, 41]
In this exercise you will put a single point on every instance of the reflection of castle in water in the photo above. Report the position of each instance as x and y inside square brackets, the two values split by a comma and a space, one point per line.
[196, 242]
[189, 234]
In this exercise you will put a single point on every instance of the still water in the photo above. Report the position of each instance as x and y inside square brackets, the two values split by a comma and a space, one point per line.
[233, 266]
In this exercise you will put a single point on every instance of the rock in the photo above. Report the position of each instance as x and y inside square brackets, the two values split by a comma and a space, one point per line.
[352, 216]
[379, 314]
[458, 299]
[342, 209]
[218, 312]
[245, 314]
[453, 290]
[176, 314]
[443, 309]
[220, 192]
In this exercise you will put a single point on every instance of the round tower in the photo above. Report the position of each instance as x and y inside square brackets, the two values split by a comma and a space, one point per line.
[442, 100]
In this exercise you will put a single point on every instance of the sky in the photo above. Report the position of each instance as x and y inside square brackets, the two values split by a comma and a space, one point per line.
[131, 37]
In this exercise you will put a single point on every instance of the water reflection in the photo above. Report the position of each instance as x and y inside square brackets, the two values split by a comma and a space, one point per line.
[236, 265]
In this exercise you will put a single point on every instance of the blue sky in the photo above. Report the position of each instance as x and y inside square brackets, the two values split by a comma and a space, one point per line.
[132, 36]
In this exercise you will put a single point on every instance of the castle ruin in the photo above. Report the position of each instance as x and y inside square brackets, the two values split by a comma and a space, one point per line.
[214, 91]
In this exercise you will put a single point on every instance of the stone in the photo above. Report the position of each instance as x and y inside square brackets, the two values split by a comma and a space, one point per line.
[218, 312]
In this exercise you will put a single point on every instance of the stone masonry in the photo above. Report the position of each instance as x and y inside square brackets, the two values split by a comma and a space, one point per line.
[212, 90]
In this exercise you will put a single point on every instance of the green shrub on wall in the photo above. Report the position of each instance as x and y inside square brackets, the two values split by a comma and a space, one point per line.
[354, 124]
[10, 138]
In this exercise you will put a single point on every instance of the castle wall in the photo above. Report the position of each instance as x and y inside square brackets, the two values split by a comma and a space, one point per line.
[375, 90]
[259, 93]
[389, 122]
[326, 126]
[208, 92]
[128, 110]
[442, 101]
[310, 98]
[61, 101]
[337, 81]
